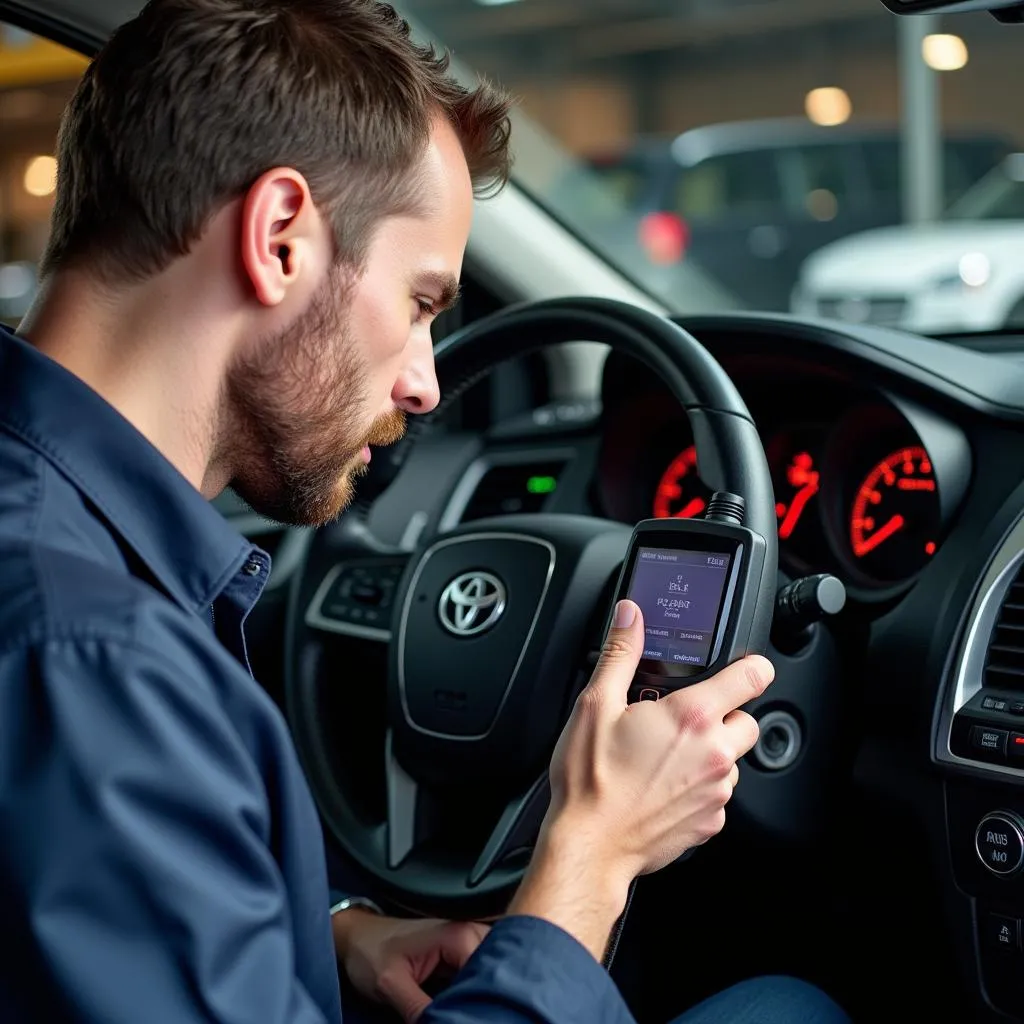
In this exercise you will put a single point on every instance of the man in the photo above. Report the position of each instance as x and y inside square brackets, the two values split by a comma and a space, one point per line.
[262, 204]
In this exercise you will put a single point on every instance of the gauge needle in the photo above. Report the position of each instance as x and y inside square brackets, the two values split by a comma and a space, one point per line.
[692, 508]
[884, 533]
[796, 507]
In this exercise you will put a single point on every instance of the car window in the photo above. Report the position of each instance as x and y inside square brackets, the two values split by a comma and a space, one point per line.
[623, 178]
[967, 161]
[1010, 205]
[997, 196]
[964, 162]
[882, 166]
[729, 186]
[822, 177]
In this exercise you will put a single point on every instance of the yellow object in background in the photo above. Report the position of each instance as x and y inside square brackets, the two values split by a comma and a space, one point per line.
[28, 60]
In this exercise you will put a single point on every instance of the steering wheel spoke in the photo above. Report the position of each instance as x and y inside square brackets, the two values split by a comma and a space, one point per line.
[516, 830]
[409, 821]
[356, 598]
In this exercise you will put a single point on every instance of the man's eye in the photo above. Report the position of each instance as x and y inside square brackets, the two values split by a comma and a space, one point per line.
[425, 309]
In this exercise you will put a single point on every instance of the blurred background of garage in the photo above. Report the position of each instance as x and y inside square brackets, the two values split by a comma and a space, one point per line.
[709, 147]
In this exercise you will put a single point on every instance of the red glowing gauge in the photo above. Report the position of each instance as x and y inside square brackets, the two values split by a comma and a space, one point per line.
[801, 484]
[680, 493]
[896, 515]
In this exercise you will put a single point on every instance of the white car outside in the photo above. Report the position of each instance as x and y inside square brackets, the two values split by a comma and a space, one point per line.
[964, 273]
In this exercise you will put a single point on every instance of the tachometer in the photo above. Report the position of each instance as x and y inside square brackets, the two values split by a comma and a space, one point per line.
[896, 516]
[681, 494]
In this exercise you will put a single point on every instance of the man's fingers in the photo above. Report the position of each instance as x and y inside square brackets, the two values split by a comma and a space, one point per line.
[734, 686]
[744, 729]
[397, 987]
[621, 652]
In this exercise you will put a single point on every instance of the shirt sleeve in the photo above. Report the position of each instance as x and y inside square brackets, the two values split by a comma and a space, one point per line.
[528, 971]
[137, 846]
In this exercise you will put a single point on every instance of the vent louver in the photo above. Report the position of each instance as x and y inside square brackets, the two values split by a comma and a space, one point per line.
[1004, 659]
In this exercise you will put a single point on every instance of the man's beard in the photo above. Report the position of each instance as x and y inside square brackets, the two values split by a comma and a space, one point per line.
[297, 402]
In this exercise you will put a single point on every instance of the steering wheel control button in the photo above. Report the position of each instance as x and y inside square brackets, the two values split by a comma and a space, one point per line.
[360, 593]
[989, 741]
[779, 741]
[367, 593]
[999, 842]
[1001, 933]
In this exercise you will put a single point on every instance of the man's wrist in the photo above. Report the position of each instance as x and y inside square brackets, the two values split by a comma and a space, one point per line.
[352, 902]
[347, 915]
[572, 886]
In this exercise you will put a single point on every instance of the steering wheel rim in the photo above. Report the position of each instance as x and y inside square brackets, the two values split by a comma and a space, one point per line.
[730, 458]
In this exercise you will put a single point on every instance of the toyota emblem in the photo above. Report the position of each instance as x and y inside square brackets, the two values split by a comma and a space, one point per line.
[472, 603]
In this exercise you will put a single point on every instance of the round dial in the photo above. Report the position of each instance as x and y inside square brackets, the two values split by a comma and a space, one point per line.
[681, 494]
[895, 519]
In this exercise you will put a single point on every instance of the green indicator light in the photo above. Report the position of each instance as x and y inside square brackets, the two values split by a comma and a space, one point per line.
[541, 484]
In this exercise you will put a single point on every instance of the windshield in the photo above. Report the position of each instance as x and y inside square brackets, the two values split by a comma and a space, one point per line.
[724, 154]
[711, 148]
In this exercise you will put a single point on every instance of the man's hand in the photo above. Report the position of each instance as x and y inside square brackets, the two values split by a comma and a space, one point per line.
[634, 786]
[388, 959]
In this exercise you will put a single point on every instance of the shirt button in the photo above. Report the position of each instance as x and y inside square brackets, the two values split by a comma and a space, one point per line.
[252, 567]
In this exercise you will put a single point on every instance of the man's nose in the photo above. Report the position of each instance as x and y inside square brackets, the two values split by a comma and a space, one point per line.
[416, 391]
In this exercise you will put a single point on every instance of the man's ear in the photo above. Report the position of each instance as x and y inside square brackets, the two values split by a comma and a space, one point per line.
[280, 234]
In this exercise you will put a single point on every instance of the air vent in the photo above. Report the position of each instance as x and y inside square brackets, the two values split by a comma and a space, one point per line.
[510, 489]
[1004, 662]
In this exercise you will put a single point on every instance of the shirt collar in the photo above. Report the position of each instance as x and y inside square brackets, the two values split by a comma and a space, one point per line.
[187, 545]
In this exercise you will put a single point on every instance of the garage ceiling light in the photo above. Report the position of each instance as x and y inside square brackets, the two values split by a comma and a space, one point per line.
[944, 52]
[41, 176]
[828, 106]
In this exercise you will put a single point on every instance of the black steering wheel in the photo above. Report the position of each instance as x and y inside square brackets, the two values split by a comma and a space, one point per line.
[434, 780]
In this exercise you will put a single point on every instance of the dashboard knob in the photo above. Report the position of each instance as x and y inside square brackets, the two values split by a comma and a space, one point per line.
[999, 842]
[798, 605]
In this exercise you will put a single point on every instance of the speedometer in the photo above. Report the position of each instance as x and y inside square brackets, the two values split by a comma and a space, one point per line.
[896, 516]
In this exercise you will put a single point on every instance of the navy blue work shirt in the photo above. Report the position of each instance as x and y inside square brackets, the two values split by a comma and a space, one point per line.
[161, 857]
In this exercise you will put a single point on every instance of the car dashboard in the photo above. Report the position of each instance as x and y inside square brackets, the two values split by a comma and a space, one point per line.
[897, 464]
[869, 474]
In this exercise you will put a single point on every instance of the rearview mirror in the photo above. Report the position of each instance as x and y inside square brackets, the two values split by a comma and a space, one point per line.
[1004, 10]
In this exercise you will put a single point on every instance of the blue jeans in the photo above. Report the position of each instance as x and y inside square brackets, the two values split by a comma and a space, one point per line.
[772, 999]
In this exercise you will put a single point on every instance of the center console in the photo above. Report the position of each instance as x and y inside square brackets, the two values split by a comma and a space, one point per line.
[981, 733]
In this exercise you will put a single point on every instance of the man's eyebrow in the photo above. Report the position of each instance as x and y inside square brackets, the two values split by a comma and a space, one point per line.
[446, 287]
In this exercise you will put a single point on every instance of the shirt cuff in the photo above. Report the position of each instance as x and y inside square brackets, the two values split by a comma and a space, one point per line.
[528, 969]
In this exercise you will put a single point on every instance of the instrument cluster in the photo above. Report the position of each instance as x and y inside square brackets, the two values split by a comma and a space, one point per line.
[866, 485]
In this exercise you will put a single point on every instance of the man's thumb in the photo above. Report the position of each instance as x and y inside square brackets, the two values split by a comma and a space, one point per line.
[621, 652]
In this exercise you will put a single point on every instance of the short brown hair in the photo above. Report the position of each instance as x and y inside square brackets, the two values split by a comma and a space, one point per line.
[191, 101]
